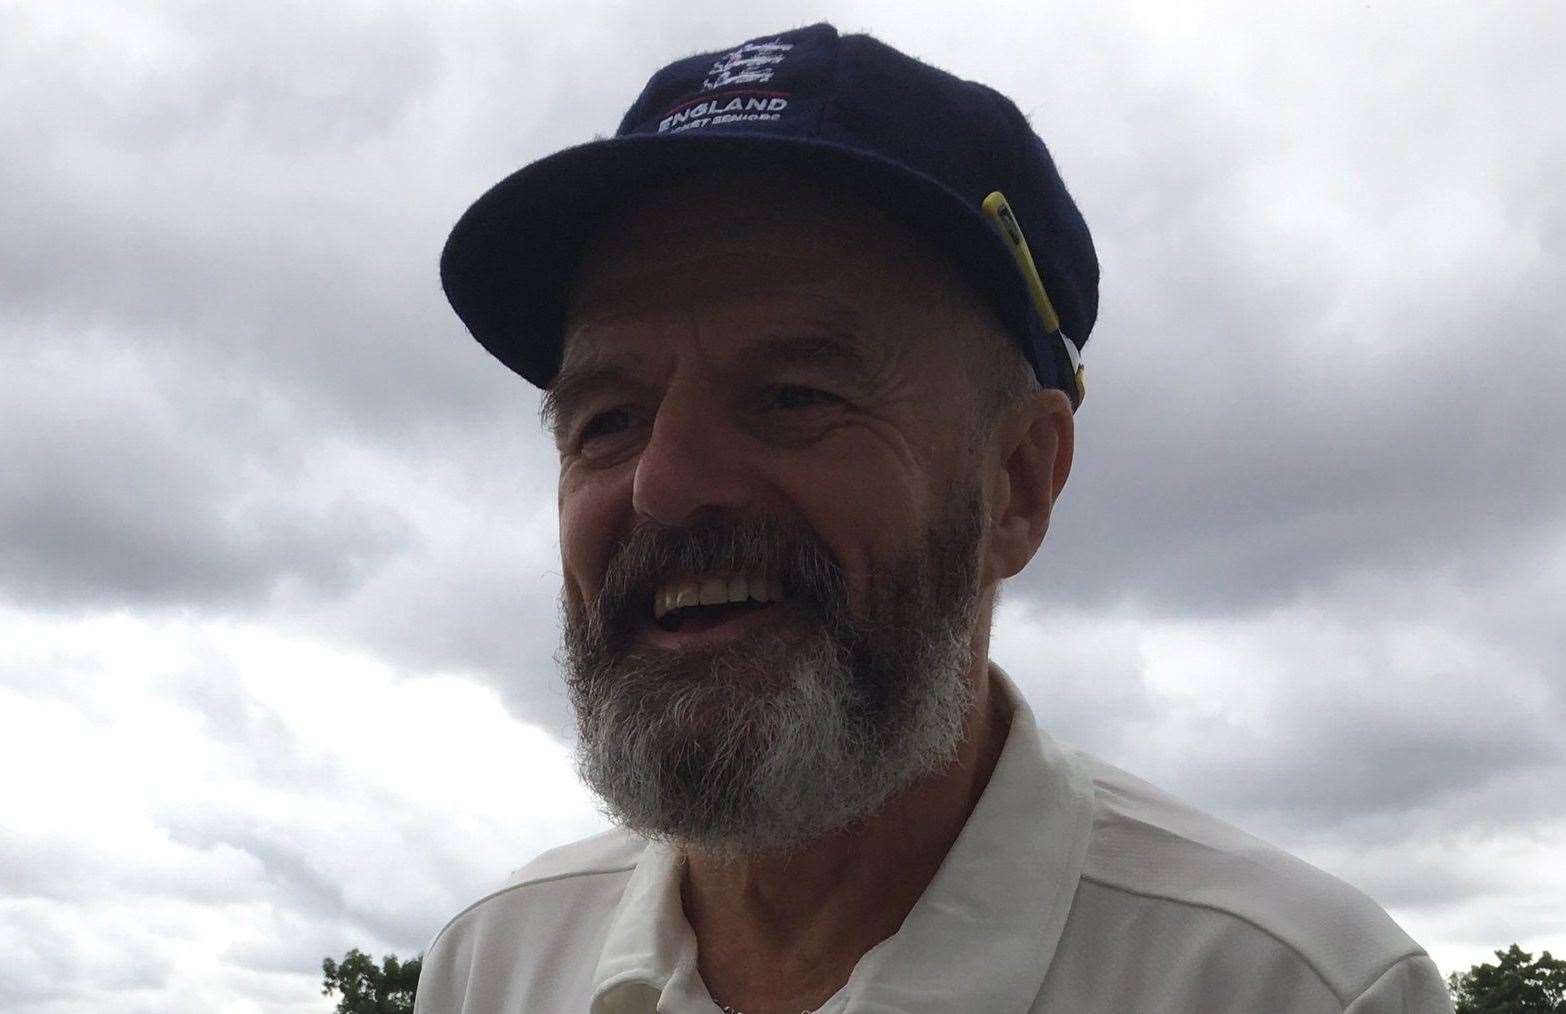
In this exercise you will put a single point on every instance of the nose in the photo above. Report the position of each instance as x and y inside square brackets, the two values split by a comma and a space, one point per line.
[694, 460]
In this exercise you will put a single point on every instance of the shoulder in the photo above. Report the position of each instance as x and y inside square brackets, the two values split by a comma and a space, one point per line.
[537, 931]
[1156, 861]
[555, 875]
[613, 851]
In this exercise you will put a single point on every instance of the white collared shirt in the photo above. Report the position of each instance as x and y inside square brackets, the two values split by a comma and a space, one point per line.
[1073, 888]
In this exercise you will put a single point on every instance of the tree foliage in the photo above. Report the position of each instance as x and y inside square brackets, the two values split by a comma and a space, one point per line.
[370, 989]
[1515, 984]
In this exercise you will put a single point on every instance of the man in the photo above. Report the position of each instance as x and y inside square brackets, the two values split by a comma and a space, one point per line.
[809, 330]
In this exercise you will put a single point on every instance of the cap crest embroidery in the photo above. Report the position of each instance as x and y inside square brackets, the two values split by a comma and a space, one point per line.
[751, 63]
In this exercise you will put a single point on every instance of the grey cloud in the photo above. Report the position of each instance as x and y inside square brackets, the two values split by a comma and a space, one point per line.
[1442, 854]
[1325, 344]
[1327, 759]
[1082, 673]
[48, 967]
[1269, 486]
[116, 492]
[238, 204]
[493, 615]
[294, 944]
[258, 743]
[302, 881]
[62, 868]
[1320, 718]
[1258, 429]
[288, 869]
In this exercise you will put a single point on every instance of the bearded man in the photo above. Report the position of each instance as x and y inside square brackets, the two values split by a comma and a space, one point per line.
[809, 329]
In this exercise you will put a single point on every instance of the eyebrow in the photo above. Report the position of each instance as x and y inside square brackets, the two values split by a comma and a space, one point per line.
[577, 381]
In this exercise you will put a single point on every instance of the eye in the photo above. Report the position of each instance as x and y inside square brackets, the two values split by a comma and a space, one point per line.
[606, 424]
[798, 396]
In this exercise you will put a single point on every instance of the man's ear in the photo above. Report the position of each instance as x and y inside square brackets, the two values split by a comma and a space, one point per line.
[1027, 462]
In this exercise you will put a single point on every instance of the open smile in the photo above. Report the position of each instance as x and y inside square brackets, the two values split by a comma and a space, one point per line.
[695, 611]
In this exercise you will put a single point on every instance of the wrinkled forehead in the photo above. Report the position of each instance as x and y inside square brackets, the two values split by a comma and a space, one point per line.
[737, 320]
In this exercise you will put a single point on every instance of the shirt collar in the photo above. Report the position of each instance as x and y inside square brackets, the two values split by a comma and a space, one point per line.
[980, 937]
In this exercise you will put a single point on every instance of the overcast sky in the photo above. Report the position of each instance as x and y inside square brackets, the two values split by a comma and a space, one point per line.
[278, 558]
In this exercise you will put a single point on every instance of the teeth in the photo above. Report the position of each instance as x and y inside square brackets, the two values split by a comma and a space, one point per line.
[715, 589]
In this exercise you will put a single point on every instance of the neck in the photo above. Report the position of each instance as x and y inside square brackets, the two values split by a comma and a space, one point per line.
[782, 932]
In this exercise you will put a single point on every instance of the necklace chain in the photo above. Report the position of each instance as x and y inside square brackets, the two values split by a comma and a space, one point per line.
[726, 1009]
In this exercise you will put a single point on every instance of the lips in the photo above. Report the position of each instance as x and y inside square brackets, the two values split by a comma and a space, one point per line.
[694, 619]
[703, 629]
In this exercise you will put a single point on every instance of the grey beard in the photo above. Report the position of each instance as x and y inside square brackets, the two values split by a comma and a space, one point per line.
[796, 730]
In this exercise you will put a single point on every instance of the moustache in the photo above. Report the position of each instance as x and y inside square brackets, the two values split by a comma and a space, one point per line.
[788, 551]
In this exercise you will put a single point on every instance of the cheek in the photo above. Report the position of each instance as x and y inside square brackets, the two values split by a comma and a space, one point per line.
[590, 514]
[868, 516]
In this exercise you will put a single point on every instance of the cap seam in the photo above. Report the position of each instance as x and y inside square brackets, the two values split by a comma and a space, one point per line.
[832, 89]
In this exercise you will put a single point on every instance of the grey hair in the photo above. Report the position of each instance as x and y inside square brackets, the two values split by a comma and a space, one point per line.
[998, 372]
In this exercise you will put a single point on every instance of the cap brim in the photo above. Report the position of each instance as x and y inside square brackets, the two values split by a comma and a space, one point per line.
[511, 257]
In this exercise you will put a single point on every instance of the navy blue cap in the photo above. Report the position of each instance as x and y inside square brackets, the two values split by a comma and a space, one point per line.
[849, 109]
